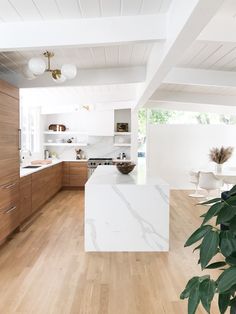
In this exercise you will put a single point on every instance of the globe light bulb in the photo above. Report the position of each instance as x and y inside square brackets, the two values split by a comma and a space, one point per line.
[37, 66]
[69, 71]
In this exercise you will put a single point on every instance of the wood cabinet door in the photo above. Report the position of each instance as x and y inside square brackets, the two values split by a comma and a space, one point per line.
[25, 197]
[66, 174]
[78, 174]
[41, 188]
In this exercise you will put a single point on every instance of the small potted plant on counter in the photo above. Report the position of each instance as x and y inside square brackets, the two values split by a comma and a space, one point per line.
[220, 156]
[219, 243]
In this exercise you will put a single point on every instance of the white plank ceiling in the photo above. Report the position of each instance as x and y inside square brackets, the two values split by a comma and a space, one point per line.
[93, 57]
[199, 89]
[38, 10]
[210, 55]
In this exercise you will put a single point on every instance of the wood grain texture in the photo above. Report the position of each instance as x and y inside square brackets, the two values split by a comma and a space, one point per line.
[8, 89]
[45, 268]
[25, 197]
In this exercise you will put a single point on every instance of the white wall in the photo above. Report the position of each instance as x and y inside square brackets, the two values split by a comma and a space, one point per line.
[173, 150]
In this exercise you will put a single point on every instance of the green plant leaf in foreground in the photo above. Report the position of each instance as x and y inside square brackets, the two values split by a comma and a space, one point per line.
[207, 290]
[227, 243]
[198, 235]
[214, 200]
[214, 210]
[223, 302]
[190, 285]
[226, 213]
[216, 265]
[209, 247]
[227, 279]
[194, 299]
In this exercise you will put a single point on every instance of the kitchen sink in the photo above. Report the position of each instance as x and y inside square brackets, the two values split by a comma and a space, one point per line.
[31, 167]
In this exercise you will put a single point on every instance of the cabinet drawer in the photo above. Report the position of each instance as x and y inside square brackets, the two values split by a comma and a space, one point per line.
[77, 168]
[25, 197]
[9, 220]
[9, 193]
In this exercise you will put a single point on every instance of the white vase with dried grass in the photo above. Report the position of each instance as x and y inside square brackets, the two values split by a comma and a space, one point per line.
[220, 156]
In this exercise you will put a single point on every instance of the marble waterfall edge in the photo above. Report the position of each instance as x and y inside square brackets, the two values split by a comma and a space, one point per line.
[128, 213]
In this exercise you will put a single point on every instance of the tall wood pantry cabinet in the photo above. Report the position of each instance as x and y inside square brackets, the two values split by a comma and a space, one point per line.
[9, 159]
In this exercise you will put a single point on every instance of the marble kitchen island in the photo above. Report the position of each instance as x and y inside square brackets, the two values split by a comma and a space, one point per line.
[128, 213]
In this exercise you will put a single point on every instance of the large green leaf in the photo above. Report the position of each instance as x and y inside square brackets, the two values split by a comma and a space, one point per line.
[227, 279]
[226, 213]
[198, 234]
[223, 302]
[209, 247]
[227, 243]
[231, 260]
[233, 190]
[233, 306]
[214, 210]
[214, 200]
[190, 285]
[194, 299]
[216, 265]
[207, 291]
[231, 200]
[232, 224]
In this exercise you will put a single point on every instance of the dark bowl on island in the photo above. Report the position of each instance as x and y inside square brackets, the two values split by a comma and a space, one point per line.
[125, 167]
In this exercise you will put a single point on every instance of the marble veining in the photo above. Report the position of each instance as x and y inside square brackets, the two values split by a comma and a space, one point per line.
[123, 213]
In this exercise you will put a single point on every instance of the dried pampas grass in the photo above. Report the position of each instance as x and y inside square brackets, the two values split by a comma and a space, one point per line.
[221, 155]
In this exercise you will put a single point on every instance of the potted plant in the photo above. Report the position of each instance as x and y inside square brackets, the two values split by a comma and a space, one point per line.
[215, 241]
[220, 156]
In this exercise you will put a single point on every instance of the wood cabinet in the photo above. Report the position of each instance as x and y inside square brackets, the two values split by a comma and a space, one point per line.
[45, 184]
[25, 197]
[75, 174]
[9, 159]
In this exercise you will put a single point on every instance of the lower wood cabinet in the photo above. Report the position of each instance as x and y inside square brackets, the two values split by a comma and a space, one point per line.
[25, 197]
[75, 174]
[9, 208]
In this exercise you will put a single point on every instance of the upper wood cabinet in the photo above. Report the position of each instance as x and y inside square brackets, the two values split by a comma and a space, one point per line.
[9, 159]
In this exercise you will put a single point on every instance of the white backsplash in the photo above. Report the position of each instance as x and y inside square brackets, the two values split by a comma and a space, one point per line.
[98, 146]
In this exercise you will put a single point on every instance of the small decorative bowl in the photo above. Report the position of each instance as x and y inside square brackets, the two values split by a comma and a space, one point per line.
[125, 167]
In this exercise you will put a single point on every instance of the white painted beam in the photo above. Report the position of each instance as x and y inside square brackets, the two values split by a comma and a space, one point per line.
[193, 98]
[82, 32]
[88, 77]
[186, 20]
[220, 29]
[201, 77]
[196, 107]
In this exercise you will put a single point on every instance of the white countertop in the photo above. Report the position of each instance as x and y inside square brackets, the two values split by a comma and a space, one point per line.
[110, 175]
[28, 171]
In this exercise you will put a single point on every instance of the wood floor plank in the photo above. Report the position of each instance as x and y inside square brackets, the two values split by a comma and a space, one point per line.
[45, 270]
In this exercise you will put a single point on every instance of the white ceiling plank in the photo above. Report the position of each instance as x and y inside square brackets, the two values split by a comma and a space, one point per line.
[69, 9]
[200, 77]
[186, 21]
[86, 77]
[27, 10]
[90, 8]
[8, 13]
[110, 7]
[165, 6]
[111, 55]
[125, 52]
[131, 7]
[48, 9]
[102, 31]
[151, 6]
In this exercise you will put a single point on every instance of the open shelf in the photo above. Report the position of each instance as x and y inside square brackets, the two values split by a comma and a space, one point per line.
[63, 133]
[122, 144]
[65, 144]
[122, 133]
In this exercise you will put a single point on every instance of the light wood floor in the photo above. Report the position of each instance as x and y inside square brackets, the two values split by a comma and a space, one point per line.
[44, 269]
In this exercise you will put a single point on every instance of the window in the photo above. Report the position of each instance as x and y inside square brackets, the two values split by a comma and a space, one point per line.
[30, 128]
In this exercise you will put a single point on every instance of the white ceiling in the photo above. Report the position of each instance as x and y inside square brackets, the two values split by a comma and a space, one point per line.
[85, 58]
[117, 94]
[199, 89]
[38, 10]
[210, 55]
